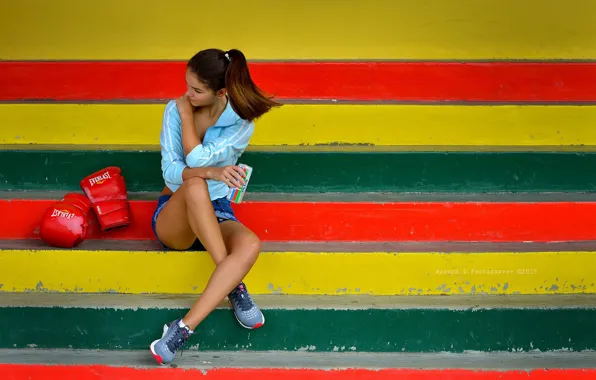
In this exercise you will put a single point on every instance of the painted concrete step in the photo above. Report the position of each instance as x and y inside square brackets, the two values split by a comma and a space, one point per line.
[334, 197]
[388, 268]
[319, 324]
[36, 364]
[146, 36]
[330, 123]
[323, 169]
[313, 82]
[353, 217]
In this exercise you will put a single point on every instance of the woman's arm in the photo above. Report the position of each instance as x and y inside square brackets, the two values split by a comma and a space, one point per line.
[172, 155]
[174, 168]
[231, 175]
[189, 134]
[232, 141]
[205, 173]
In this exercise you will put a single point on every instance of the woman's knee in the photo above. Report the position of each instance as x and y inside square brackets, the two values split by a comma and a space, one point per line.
[250, 246]
[195, 186]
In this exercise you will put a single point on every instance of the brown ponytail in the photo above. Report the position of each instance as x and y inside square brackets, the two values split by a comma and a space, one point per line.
[248, 100]
[218, 69]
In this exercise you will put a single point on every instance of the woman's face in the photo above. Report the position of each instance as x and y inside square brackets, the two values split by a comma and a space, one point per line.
[198, 93]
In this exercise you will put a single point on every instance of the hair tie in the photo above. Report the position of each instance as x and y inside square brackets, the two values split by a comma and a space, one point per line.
[227, 57]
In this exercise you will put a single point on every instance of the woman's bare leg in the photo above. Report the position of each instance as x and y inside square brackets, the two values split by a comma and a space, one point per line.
[188, 214]
[243, 247]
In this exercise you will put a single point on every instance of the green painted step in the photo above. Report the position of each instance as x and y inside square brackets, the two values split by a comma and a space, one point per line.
[320, 171]
[340, 323]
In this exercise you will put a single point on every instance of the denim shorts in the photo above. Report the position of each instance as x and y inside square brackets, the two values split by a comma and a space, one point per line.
[223, 212]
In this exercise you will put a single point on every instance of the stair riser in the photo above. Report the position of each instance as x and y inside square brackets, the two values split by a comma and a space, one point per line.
[310, 81]
[321, 330]
[334, 273]
[355, 221]
[92, 372]
[290, 171]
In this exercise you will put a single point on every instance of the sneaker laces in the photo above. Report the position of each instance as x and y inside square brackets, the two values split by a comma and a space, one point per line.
[178, 339]
[241, 297]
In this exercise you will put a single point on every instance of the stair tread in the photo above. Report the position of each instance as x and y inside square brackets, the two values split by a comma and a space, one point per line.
[389, 247]
[341, 148]
[193, 358]
[302, 302]
[380, 197]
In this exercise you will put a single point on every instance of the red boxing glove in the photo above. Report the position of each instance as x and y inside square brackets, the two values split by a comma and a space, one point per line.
[106, 190]
[65, 223]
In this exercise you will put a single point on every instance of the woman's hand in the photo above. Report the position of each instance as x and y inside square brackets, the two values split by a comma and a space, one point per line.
[231, 175]
[184, 106]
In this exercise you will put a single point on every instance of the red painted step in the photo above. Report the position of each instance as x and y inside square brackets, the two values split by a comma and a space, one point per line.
[358, 221]
[352, 81]
[96, 372]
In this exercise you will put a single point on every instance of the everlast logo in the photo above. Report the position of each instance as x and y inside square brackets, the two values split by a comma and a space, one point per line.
[62, 214]
[99, 179]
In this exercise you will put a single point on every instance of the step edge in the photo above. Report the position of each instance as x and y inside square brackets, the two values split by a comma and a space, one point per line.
[339, 197]
[119, 301]
[390, 248]
[206, 360]
[320, 148]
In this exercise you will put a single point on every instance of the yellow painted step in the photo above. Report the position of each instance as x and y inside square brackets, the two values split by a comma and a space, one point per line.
[304, 29]
[386, 125]
[379, 269]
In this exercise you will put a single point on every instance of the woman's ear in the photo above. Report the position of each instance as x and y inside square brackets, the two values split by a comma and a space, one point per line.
[221, 93]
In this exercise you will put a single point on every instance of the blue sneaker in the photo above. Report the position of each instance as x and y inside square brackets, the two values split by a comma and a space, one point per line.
[173, 338]
[247, 313]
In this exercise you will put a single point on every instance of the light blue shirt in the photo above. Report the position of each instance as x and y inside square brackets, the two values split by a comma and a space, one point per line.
[222, 145]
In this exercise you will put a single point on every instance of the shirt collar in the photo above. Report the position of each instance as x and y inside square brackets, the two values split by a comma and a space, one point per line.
[228, 117]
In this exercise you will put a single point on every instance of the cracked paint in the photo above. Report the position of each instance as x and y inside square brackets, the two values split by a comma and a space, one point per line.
[39, 287]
